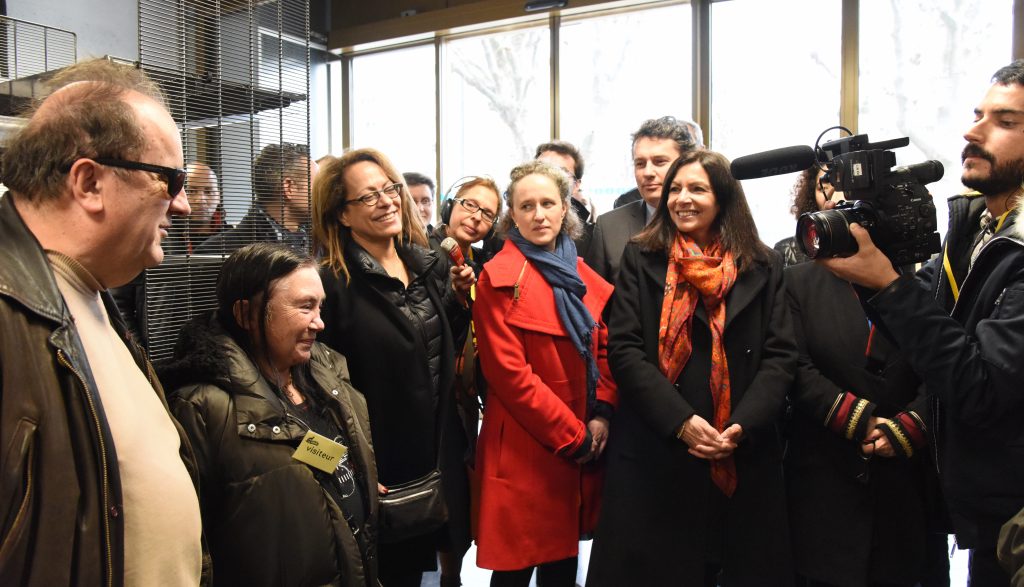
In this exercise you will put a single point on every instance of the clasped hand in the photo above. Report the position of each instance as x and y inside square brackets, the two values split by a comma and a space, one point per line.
[598, 428]
[876, 442]
[706, 442]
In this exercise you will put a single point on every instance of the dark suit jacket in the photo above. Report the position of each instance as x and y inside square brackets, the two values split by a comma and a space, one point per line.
[612, 232]
[583, 242]
[627, 198]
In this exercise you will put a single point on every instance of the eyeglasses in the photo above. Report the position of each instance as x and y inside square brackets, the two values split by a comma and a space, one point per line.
[174, 177]
[371, 199]
[472, 207]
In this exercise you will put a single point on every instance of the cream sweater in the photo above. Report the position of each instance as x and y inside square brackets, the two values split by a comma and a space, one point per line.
[161, 511]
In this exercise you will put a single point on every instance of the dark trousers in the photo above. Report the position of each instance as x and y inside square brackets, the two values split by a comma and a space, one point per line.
[403, 578]
[802, 582]
[984, 570]
[555, 574]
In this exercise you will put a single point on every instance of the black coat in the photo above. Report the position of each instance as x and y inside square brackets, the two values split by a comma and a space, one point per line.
[269, 520]
[388, 359]
[656, 519]
[854, 522]
[969, 355]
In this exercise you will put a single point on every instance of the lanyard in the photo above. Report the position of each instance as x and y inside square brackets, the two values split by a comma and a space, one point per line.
[949, 268]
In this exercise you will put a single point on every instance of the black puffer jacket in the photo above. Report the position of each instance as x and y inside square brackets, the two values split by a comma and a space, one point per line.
[399, 344]
[268, 519]
[969, 355]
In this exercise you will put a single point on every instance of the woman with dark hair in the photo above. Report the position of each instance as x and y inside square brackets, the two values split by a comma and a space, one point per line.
[550, 395]
[388, 311]
[253, 390]
[810, 193]
[703, 353]
[860, 493]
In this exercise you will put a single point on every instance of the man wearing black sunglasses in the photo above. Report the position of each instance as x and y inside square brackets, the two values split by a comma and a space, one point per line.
[92, 461]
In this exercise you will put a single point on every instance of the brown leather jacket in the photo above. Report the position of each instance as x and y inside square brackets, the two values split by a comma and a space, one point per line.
[61, 519]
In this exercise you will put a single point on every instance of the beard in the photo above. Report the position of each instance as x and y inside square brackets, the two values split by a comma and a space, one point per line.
[1003, 177]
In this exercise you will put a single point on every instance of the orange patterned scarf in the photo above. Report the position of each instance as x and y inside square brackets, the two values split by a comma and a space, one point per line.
[708, 275]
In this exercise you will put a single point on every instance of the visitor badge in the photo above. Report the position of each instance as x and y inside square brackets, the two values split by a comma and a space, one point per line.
[316, 450]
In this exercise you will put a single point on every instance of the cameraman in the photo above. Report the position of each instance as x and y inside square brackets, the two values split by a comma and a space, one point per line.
[960, 324]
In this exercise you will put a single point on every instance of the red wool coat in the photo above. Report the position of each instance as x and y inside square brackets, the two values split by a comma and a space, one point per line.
[534, 502]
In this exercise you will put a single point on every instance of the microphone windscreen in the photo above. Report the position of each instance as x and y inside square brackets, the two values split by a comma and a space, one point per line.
[451, 247]
[774, 162]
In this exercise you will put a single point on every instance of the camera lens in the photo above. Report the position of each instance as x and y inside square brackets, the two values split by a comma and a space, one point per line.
[826, 233]
[807, 235]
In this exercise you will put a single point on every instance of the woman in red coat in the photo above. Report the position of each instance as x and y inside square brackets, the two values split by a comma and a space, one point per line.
[542, 346]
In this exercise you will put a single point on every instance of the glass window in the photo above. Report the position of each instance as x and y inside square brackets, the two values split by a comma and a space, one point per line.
[283, 67]
[496, 102]
[393, 103]
[924, 66]
[615, 72]
[773, 86]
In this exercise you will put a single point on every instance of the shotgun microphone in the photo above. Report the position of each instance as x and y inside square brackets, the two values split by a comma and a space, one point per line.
[774, 162]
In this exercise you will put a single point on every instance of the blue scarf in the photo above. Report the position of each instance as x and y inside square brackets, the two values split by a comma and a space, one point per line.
[559, 270]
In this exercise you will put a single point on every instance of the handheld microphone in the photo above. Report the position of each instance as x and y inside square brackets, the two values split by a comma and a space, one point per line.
[451, 247]
[774, 162]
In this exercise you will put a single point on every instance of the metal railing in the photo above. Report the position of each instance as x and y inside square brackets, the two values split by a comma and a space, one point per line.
[28, 49]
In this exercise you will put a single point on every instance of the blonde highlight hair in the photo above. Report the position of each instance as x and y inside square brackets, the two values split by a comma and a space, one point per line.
[330, 236]
[486, 182]
[571, 224]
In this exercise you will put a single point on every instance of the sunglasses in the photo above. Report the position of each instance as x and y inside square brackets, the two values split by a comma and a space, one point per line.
[174, 177]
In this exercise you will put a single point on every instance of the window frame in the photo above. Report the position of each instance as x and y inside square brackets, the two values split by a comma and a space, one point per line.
[700, 71]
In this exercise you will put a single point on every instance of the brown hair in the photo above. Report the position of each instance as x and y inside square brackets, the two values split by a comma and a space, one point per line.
[805, 192]
[563, 148]
[734, 223]
[276, 163]
[485, 182]
[85, 116]
[330, 236]
[571, 224]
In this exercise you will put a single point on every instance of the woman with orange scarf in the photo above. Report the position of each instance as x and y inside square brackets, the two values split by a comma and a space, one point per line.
[701, 347]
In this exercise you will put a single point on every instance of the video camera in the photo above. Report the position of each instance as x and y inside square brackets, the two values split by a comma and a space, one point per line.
[892, 204]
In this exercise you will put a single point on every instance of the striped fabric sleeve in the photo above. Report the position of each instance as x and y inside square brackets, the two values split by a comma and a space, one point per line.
[849, 416]
[906, 433]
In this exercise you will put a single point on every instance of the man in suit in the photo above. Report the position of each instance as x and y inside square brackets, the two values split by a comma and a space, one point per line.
[656, 145]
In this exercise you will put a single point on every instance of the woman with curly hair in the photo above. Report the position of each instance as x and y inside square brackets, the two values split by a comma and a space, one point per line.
[810, 193]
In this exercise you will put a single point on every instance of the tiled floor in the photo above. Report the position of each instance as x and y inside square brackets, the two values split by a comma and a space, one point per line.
[472, 576]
